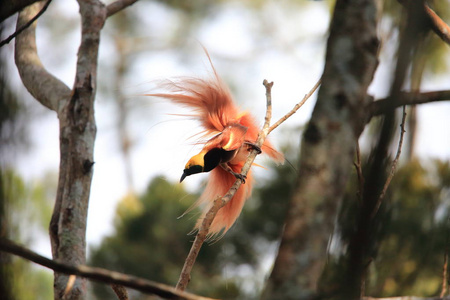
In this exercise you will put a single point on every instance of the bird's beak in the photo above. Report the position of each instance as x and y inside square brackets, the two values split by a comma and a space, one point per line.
[183, 177]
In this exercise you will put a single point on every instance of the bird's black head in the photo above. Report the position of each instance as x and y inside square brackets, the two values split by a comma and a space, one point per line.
[191, 170]
[205, 161]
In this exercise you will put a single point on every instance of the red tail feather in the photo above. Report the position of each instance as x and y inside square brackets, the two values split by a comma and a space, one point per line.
[219, 183]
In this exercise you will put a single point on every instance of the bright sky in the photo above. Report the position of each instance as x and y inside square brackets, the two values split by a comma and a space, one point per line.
[162, 145]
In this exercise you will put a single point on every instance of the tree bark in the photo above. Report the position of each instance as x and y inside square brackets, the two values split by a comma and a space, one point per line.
[77, 137]
[327, 150]
[75, 111]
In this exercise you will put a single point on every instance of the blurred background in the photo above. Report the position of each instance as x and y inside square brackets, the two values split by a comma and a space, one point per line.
[142, 147]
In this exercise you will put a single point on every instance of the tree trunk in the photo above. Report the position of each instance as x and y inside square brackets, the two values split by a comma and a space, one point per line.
[345, 277]
[327, 150]
[75, 111]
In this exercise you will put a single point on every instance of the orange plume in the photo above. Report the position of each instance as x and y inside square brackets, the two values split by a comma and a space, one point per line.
[225, 153]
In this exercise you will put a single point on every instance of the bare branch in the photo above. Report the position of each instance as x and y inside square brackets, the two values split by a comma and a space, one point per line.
[117, 6]
[25, 26]
[296, 107]
[382, 106]
[42, 85]
[394, 165]
[99, 274]
[438, 25]
[221, 202]
[185, 275]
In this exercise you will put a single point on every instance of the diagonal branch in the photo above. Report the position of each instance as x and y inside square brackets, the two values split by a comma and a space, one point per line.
[46, 88]
[117, 6]
[438, 25]
[99, 274]
[434, 22]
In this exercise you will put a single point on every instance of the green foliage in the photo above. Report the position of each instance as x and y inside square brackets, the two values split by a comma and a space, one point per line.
[27, 281]
[410, 257]
[22, 212]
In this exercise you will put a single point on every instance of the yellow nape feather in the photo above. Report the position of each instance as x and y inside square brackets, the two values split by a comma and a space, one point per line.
[196, 160]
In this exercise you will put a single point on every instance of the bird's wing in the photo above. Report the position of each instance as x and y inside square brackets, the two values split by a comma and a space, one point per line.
[231, 138]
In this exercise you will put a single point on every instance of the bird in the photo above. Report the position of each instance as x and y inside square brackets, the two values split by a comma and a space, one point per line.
[232, 134]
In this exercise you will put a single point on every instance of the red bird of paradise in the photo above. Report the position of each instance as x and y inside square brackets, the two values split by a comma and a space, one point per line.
[223, 155]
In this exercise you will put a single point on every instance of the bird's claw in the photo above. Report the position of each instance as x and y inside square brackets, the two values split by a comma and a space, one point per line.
[240, 176]
[235, 174]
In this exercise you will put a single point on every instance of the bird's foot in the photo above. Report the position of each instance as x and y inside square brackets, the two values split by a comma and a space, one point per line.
[235, 174]
[239, 176]
[253, 146]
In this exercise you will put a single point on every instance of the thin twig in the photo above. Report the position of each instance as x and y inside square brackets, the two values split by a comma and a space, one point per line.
[25, 26]
[296, 107]
[117, 6]
[358, 167]
[394, 165]
[98, 274]
[268, 116]
[222, 201]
